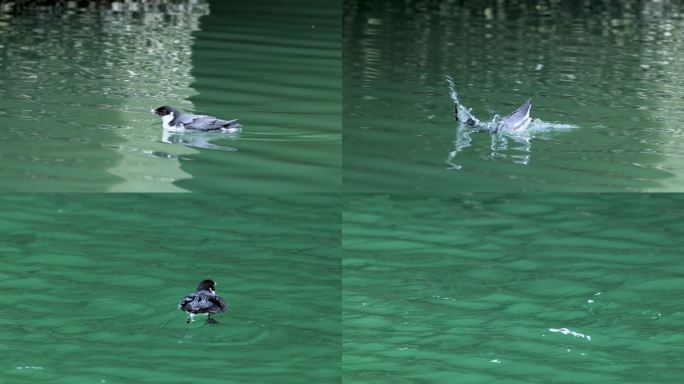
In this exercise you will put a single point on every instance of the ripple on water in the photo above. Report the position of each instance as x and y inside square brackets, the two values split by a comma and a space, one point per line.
[74, 306]
[81, 102]
[562, 305]
[620, 128]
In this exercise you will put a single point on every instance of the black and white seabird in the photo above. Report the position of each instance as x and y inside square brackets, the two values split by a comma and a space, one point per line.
[174, 120]
[204, 301]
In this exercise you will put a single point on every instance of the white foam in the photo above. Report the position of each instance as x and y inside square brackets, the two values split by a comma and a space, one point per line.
[567, 331]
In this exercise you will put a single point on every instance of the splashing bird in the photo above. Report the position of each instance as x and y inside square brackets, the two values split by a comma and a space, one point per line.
[517, 120]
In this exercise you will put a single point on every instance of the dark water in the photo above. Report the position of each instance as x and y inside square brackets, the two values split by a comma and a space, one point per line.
[612, 69]
[77, 85]
[91, 283]
[488, 288]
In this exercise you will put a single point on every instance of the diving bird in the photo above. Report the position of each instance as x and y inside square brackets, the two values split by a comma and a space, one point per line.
[203, 301]
[174, 120]
[518, 120]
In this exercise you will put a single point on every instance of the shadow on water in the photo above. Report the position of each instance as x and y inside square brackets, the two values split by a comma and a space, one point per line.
[608, 68]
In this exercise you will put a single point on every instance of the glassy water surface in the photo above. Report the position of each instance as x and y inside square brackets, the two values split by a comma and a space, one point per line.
[488, 288]
[77, 85]
[605, 76]
[91, 285]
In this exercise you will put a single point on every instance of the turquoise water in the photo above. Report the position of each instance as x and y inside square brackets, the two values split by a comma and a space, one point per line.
[610, 69]
[510, 288]
[77, 96]
[431, 264]
[91, 285]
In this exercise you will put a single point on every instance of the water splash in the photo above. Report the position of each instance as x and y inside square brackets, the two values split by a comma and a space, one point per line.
[567, 331]
[452, 89]
[500, 137]
[462, 114]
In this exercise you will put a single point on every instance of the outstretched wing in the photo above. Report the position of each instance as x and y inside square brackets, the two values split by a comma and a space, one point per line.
[520, 117]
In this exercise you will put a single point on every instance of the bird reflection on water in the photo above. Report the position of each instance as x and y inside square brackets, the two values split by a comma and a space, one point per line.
[202, 140]
[499, 145]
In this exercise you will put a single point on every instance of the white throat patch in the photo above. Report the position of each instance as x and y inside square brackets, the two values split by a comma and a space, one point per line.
[166, 119]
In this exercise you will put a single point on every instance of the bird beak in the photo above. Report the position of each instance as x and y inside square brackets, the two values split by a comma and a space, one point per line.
[152, 110]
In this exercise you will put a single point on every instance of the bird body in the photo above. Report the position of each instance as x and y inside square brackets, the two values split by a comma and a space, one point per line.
[203, 301]
[174, 120]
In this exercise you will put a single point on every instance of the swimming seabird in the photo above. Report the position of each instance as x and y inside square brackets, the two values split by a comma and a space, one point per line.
[174, 120]
[203, 301]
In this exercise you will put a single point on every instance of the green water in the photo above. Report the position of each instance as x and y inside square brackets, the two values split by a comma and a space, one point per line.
[76, 96]
[612, 69]
[91, 283]
[476, 288]
[432, 263]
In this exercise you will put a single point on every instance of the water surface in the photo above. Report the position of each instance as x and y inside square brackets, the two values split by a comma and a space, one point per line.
[77, 95]
[91, 284]
[611, 69]
[487, 288]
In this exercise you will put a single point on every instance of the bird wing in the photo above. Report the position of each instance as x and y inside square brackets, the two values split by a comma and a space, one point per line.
[519, 115]
[186, 303]
[204, 123]
[202, 302]
[219, 302]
